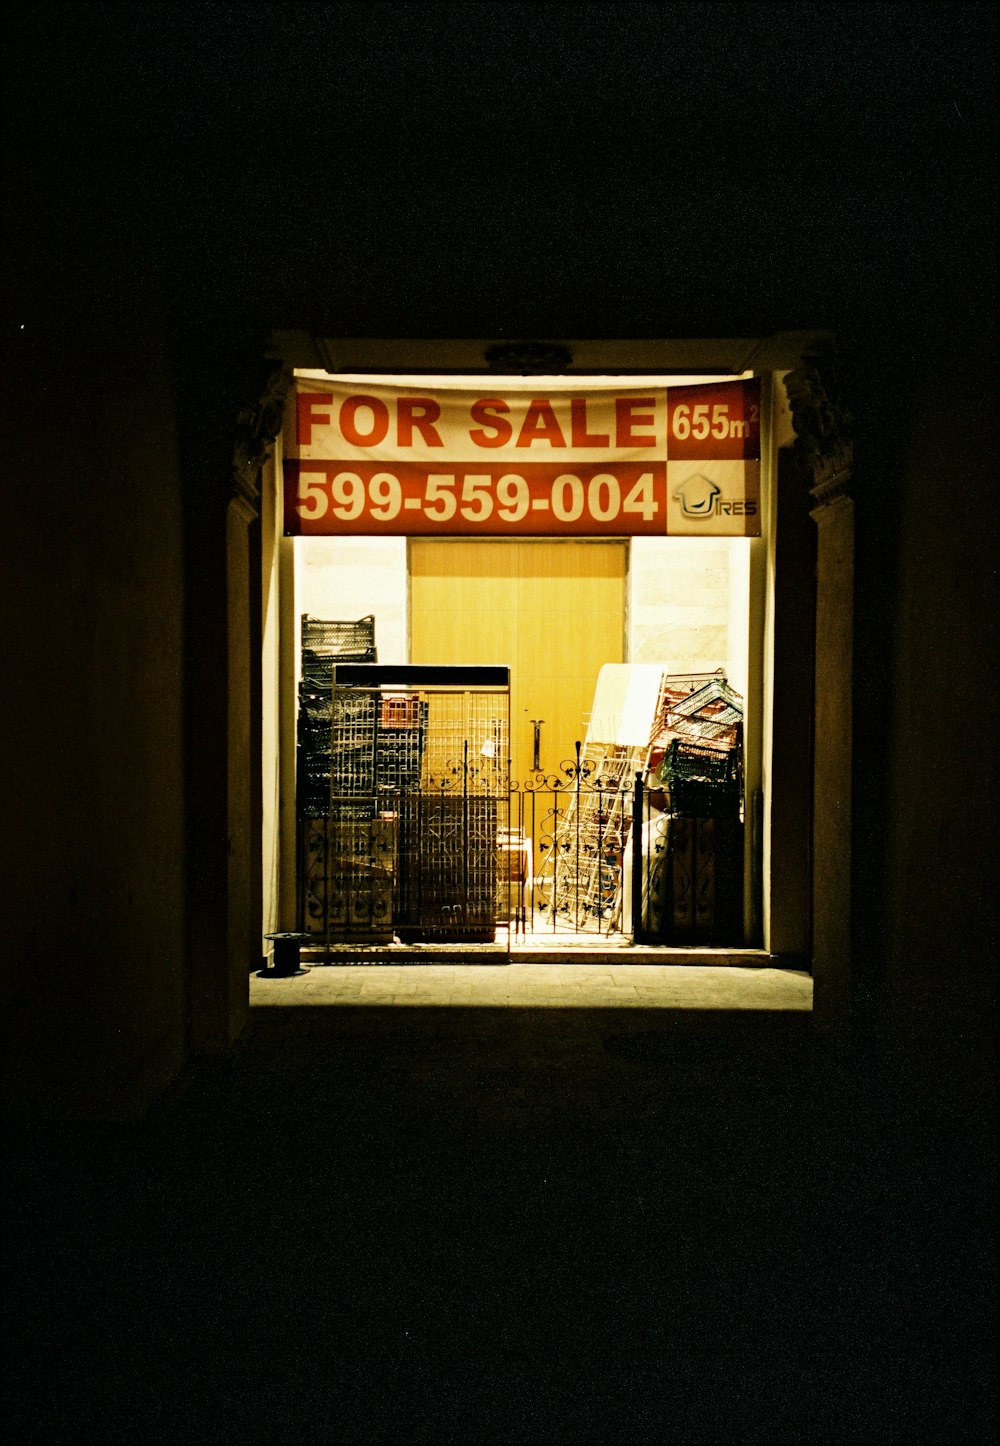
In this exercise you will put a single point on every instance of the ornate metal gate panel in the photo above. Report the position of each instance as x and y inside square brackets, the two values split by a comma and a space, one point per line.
[572, 827]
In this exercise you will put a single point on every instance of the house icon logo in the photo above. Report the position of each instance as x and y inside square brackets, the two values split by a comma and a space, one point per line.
[697, 496]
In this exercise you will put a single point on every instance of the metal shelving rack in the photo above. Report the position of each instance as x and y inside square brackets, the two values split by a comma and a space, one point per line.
[418, 797]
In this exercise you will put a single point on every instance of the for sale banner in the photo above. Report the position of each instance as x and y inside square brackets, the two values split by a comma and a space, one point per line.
[487, 461]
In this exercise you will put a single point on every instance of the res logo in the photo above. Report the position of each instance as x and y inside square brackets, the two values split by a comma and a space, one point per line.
[700, 497]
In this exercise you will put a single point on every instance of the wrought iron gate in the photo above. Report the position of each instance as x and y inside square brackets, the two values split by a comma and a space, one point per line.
[569, 835]
[601, 852]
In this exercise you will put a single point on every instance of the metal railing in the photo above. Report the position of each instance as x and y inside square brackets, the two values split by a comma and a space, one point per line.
[569, 830]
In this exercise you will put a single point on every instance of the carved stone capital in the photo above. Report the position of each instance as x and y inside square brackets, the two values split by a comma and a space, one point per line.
[257, 426]
[824, 444]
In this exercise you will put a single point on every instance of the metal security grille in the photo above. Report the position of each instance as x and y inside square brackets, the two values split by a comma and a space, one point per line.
[418, 781]
[449, 829]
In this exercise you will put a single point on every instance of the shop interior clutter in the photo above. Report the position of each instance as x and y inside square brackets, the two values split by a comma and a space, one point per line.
[411, 829]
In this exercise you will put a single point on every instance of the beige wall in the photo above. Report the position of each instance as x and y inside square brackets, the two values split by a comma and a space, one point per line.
[686, 597]
[349, 577]
[686, 608]
[678, 610]
[687, 605]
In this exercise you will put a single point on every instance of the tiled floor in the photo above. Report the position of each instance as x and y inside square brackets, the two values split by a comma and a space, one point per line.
[546, 986]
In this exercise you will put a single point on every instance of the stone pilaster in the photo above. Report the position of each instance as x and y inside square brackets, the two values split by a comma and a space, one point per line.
[825, 451]
[232, 410]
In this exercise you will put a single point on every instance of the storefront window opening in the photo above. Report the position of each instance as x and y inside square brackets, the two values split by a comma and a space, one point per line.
[685, 601]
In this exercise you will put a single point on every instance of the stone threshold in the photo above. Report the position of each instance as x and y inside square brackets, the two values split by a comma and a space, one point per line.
[404, 955]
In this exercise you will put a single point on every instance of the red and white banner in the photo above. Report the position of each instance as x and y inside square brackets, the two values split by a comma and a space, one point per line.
[496, 462]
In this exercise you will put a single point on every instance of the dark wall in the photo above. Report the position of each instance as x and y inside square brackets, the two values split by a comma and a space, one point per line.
[921, 381]
[93, 969]
[455, 169]
[942, 931]
[512, 171]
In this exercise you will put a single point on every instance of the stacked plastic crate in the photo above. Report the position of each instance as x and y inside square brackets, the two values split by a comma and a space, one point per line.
[694, 884]
[325, 801]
